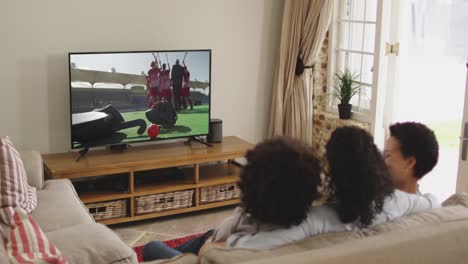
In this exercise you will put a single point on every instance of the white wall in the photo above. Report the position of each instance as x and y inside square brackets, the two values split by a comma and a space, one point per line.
[35, 37]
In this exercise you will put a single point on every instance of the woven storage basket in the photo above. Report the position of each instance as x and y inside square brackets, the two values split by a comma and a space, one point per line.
[163, 202]
[217, 193]
[107, 210]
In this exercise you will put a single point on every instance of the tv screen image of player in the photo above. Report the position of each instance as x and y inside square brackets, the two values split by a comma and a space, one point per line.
[116, 96]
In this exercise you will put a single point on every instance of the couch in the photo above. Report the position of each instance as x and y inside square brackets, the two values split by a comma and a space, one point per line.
[436, 236]
[66, 221]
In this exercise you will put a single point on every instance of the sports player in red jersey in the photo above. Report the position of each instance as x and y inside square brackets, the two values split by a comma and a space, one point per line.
[185, 93]
[152, 83]
[165, 83]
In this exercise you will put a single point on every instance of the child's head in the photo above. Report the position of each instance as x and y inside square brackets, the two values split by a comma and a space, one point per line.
[280, 181]
[164, 66]
[411, 152]
[153, 64]
[359, 180]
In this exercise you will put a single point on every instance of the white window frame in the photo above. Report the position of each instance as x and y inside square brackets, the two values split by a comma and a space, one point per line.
[333, 41]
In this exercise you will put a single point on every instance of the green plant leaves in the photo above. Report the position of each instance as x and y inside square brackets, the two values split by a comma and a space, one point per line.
[345, 87]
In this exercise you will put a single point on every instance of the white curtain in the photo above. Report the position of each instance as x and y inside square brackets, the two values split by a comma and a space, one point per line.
[305, 24]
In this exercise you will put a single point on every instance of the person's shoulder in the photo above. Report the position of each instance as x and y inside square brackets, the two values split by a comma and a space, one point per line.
[326, 211]
[397, 196]
[431, 197]
[400, 196]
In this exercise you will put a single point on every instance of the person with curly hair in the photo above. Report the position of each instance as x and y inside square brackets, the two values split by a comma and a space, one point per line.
[362, 193]
[278, 185]
[410, 153]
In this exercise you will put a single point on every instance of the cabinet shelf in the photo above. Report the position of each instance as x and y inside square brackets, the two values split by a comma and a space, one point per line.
[181, 182]
[218, 174]
[93, 197]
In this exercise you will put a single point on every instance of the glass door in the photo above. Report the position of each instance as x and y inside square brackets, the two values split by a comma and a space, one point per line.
[426, 80]
[462, 180]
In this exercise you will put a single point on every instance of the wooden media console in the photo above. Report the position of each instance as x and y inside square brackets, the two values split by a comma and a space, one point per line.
[206, 178]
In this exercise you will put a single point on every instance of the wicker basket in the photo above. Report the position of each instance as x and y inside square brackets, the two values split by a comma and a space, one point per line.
[163, 202]
[217, 193]
[107, 210]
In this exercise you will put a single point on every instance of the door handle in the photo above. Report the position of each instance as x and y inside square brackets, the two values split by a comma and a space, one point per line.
[464, 140]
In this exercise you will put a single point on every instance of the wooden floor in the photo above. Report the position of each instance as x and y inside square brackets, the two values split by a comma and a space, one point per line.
[171, 227]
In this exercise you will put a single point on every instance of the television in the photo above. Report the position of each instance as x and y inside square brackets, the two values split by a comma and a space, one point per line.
[138, 96]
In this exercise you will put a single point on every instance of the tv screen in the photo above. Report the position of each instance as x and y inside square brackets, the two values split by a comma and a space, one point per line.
[127, 97]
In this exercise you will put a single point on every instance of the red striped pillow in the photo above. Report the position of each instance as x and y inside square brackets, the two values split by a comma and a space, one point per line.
[14, 187]
[25, 242]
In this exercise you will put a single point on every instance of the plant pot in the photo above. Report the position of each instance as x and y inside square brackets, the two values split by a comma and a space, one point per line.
[344, 111]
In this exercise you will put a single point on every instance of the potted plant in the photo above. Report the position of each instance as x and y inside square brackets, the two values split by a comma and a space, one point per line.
[346, 86]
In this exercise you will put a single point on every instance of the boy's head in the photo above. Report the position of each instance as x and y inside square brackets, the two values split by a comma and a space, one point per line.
[280, 181]
[410, 152]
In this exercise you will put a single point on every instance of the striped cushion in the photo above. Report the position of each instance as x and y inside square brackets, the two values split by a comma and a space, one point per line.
[14, 187]
[24, 240]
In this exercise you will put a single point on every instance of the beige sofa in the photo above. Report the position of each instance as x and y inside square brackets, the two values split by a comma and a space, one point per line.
[67, 223]
[435, 236]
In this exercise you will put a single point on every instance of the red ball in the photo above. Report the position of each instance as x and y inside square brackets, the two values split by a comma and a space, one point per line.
[153, 131]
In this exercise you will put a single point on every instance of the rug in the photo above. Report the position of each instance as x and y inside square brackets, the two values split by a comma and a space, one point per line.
[171, 243]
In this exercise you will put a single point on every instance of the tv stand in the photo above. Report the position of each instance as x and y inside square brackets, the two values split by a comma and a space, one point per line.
[147, 173]
[82, 153]
[199, 140]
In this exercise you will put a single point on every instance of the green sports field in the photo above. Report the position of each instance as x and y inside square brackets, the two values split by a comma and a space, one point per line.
[189, 122]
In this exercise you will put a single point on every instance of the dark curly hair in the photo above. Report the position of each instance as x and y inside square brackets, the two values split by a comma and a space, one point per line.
[279, 182]
[418, 141]
[359, 181]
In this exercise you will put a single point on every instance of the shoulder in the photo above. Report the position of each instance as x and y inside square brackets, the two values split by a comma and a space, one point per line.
[323, 210]
[325, 217]
[402, 203]
[401, 196]
[431, 197]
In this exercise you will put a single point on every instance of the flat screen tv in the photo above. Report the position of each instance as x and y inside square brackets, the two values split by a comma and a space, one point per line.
[128, 97]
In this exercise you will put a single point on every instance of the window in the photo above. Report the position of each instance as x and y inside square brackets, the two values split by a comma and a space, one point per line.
[352, 46]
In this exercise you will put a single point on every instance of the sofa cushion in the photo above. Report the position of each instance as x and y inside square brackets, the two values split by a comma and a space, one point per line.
[33, 165]
[92, 243]
[14, 187]
[460, 198]
[24, 241]
[455, 208]
[225, 255]
[444, 243]
[434, 216]
[59, 206]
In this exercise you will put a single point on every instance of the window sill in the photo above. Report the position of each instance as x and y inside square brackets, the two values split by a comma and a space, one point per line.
[328, 121]
[355, 116]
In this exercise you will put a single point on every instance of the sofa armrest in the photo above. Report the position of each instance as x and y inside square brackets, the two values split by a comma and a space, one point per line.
[92, 243]
[34, 168]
